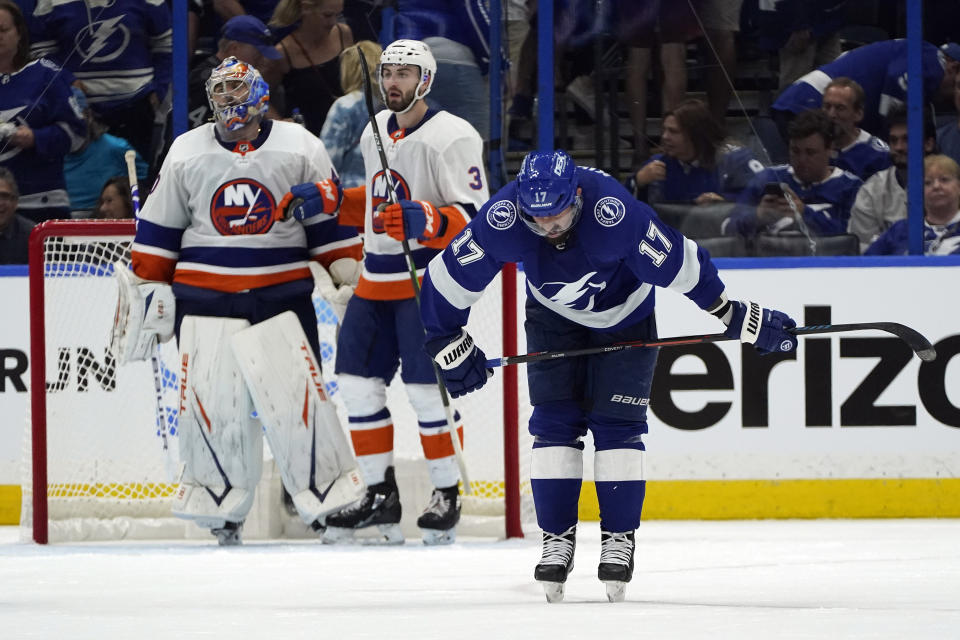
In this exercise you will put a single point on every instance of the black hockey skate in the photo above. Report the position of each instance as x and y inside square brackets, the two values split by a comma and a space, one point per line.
[616, 563]
[439, 520]
[379, 507]
[229, 534]
[556, 562]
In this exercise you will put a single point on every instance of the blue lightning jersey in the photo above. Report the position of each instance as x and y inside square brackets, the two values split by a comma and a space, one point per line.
[735, 168]
[826, 208]
[864, 156]
[119, 49]
[39, 96]
[603, 278]
[880, 68]
[463, 21]
[938, 240]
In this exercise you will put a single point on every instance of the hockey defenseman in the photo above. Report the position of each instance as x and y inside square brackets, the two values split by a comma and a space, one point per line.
[592, 256]
[241, 307]
[436, 161]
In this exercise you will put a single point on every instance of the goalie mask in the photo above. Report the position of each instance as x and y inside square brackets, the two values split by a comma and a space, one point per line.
[238, 95]
[547, 197]
[409, 52]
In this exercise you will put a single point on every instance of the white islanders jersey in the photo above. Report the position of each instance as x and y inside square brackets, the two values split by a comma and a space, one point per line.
[211, 220]
[441, 161]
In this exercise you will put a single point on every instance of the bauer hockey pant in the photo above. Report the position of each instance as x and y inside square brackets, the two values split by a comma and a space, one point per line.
[606, 394]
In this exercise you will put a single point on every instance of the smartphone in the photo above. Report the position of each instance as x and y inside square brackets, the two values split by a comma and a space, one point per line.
[773, 189]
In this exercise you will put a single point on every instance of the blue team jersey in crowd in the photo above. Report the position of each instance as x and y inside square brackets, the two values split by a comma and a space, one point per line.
[463, 21]
[827, 204]
[120, 50]
[39, 96]
[603, 279]
[880, 68]
[938, 240]
[735, 168]
[864, 156]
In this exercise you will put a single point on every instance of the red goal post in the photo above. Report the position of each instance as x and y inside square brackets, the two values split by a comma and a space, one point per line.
[94, 455]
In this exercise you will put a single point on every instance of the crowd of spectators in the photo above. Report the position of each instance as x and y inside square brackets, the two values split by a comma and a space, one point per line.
[105, 70]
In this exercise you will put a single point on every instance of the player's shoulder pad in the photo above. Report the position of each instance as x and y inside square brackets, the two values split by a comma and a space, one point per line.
[609, 210]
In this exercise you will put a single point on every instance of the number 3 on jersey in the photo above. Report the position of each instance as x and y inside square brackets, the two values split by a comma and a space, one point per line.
[654, 233]
[473, 251]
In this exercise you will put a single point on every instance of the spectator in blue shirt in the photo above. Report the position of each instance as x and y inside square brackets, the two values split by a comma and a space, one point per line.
[809, 186]
[855, 150]
[697, 164]
[348, 114]
[941, 220]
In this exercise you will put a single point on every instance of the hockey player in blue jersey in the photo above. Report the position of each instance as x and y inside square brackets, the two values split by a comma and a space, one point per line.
[881, 69]
[592, 255]
[855, 150]
[822, 194]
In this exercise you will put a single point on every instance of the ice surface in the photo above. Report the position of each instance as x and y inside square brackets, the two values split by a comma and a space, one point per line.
[756, 579]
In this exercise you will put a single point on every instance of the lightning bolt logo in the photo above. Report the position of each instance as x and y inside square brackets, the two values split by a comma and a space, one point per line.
[95, 37]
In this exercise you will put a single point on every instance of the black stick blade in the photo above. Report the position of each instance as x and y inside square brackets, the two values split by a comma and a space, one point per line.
[914, 339]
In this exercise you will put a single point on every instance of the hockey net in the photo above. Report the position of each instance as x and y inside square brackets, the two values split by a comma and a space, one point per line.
[100, 447]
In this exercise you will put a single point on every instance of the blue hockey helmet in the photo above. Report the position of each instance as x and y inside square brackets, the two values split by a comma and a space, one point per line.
[546, 186]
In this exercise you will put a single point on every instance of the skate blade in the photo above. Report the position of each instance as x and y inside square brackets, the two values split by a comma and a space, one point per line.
[437, 536]
[616, 590]
[553, 591]
[390, 534]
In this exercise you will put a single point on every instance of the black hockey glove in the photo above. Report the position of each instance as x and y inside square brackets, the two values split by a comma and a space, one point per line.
[462, 363]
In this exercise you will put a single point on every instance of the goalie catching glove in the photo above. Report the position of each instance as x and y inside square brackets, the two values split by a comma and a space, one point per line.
[462, 363]
[310, 199]
[144, 316]
[765, 329]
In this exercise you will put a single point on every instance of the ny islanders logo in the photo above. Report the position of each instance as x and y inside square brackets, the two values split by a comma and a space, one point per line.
[242, 207]
[502, 214]
[380, 193]
[609, 211]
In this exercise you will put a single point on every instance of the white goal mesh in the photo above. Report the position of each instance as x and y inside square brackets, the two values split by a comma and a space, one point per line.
[100, 452]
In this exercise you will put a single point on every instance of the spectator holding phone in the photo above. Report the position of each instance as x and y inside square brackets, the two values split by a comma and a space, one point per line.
[808, 192]
[697, 164]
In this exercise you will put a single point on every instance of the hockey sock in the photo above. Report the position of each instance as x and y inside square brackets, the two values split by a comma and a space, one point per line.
[556, 473]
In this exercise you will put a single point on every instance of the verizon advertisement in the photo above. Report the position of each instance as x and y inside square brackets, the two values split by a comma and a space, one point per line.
[845, 405]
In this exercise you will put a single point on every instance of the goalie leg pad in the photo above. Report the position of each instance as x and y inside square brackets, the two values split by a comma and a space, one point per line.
[310, 448]
[221, 446]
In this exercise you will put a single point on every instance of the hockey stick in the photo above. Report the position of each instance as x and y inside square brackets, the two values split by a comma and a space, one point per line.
[920, 345]
[161, 413]
[392, 194]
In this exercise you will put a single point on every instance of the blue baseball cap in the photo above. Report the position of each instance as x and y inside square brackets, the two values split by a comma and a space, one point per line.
[951, 50]
[250, 30]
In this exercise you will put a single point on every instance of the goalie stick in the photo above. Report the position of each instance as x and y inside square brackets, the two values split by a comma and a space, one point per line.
[914, 339]
[392, 194]
[161, 412]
